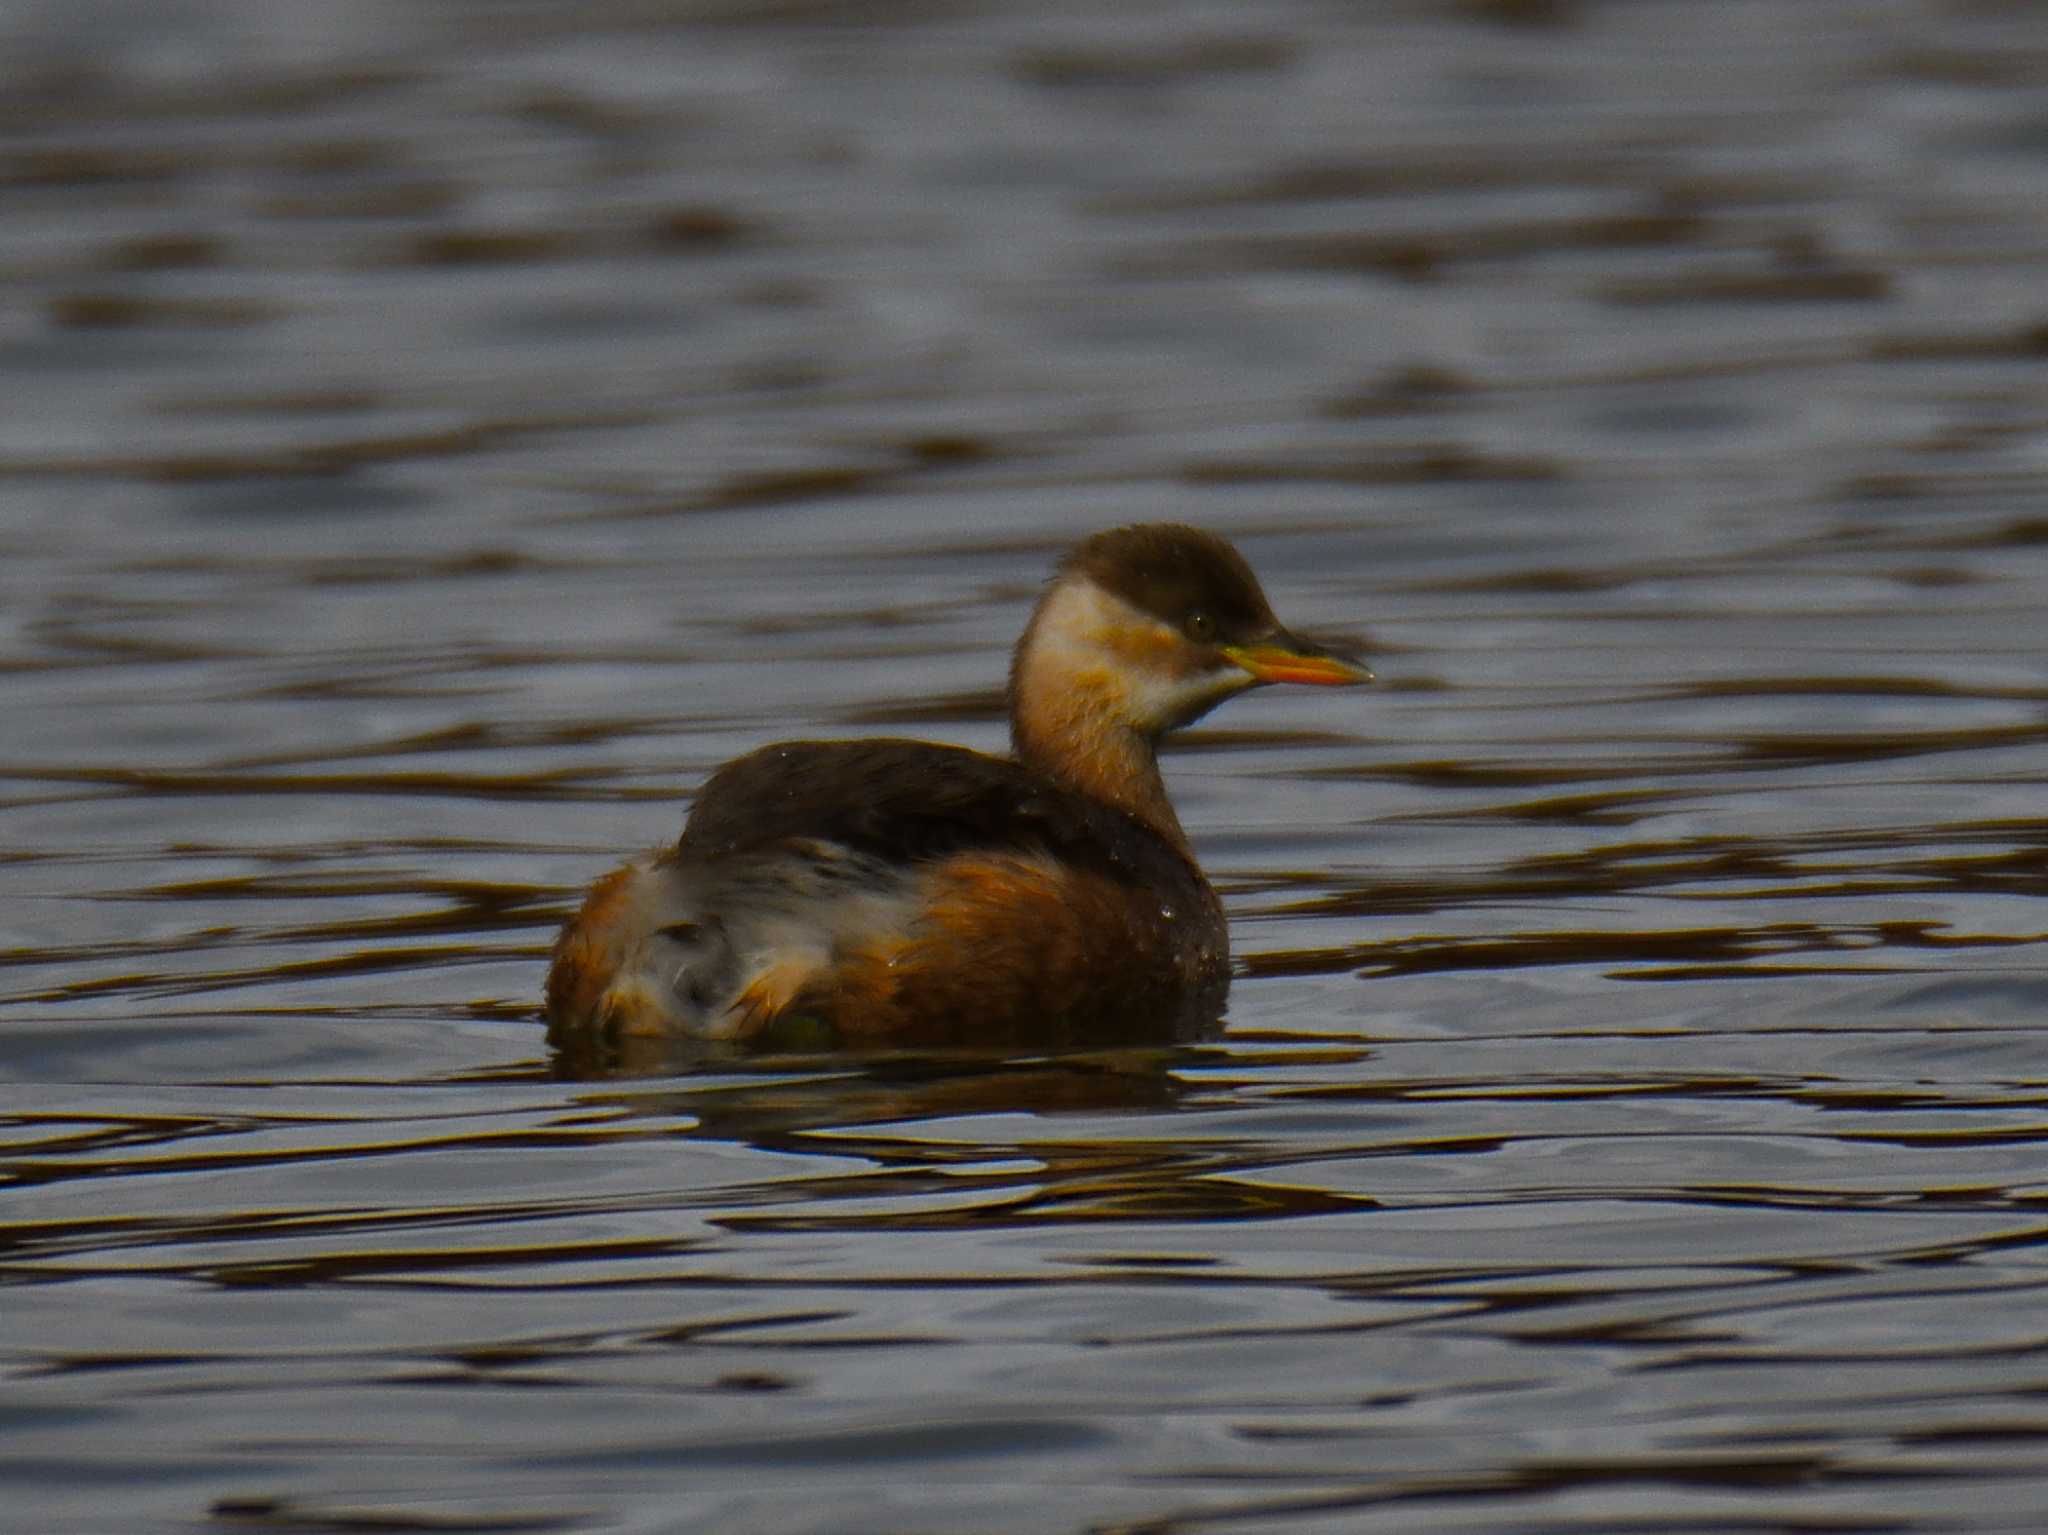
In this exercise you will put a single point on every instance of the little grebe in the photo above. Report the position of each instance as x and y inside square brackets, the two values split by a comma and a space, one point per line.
[890, 892]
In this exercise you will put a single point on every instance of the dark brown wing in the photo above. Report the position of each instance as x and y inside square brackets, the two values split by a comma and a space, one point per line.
[912, 801]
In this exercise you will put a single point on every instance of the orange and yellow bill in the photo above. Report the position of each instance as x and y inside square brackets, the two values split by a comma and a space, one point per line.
[1296, 661]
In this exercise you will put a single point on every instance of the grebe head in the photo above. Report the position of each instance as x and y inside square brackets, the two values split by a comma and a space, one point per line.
[1145, 629]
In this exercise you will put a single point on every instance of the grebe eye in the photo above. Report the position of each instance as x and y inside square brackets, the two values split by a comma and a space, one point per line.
[1200, 626]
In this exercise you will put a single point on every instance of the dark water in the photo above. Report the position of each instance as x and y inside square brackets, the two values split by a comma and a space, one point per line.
[435, 435]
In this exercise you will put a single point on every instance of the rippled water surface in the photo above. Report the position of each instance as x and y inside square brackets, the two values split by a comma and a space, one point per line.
[436, 435]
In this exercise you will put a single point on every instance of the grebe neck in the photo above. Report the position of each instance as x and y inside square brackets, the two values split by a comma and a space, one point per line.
[1072, 712]
[1103, 760]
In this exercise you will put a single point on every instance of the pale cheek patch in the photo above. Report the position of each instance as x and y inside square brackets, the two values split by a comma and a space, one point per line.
[1146, 645]
[1176, 701]
[1113, 659]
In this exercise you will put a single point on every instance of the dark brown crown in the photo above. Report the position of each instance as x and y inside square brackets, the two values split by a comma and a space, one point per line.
[1171, 572]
